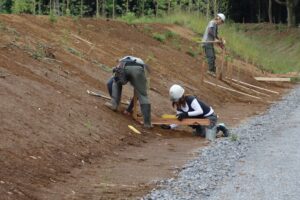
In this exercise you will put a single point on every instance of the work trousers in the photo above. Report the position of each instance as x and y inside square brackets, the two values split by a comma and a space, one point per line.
[210, 56]
[136, 76]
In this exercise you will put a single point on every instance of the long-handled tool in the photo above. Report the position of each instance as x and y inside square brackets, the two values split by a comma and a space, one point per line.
[98, 94]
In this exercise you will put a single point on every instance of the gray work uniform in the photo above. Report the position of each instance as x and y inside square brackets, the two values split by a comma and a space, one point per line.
[135, 74]
[211, 33]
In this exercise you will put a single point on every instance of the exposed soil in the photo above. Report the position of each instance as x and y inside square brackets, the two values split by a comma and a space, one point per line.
[57, 142]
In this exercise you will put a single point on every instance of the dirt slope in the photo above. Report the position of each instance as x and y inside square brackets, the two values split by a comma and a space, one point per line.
[52, 131]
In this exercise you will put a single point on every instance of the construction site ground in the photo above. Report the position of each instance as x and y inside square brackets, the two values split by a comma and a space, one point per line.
[58, 142]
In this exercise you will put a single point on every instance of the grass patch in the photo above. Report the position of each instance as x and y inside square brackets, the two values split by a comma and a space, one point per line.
[74, 51]
[192, 52]
[159, 37]
[162, 37]
[234, 137]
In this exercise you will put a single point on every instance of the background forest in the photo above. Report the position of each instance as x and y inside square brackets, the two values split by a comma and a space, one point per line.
[247, 11]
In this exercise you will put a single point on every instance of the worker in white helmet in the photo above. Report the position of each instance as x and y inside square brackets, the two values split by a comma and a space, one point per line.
[209, 38]
[188, 106]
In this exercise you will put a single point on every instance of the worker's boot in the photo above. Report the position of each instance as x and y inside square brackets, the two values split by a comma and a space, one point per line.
[111, 105]
[146, 111]
[223, 128]
[199, 131]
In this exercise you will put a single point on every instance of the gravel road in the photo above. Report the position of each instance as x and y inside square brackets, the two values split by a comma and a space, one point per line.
[263, 163]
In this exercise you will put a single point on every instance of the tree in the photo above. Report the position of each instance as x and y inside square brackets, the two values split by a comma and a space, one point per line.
[290, 5]
[97, 9]
[270, 12]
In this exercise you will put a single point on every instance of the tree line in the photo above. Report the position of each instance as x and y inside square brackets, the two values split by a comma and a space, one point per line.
[249, 11]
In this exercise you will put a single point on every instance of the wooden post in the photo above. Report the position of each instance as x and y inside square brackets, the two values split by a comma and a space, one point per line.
[134, 115]
[221, 69]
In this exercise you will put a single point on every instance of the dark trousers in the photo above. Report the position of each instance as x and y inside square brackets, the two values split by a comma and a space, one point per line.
[109, 85]
[210, 56]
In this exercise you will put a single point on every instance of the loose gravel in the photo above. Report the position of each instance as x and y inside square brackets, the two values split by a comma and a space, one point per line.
[216, 163]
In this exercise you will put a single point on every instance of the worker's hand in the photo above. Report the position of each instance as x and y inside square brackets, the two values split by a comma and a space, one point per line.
[221, 45]
[164, 126]
[182, 116]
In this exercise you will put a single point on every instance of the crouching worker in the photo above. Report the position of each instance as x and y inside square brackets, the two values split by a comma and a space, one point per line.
[188, 106]
[131, 69]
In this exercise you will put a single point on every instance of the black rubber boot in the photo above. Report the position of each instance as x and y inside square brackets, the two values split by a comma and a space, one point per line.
[199, 131]
[224, 129]
[146, 111]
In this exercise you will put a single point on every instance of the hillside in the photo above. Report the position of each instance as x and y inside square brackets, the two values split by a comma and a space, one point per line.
[57, 142]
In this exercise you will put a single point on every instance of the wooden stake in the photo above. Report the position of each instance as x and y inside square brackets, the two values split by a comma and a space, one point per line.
[221, 70]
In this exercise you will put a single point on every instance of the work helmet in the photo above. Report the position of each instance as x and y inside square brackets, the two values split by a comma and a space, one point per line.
[132, 59]
[222, 16]
[176, 92]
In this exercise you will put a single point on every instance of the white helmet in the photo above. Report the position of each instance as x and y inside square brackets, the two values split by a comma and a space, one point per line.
[176, 92]
[222, 16]
[134, 59]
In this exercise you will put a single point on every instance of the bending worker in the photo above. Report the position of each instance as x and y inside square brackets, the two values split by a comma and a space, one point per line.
[131, 69]
[188, 106]
[209, 38]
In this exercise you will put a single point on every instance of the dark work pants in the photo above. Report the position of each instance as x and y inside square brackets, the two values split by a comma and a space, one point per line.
[109, 85]
[210, 56]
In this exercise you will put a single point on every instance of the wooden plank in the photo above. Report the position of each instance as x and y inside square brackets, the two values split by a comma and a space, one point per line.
[273, 79]
[246, 88]
[209, 42]
[232, 90]
[79, 38]
[254, 86]
[185, 122]
[168, 116]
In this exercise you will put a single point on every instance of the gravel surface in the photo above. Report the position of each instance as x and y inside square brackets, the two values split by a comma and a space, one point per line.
[263, 163]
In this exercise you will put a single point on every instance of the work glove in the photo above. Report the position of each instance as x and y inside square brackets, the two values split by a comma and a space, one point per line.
[182, 116]
[221, 45]
[164, 126]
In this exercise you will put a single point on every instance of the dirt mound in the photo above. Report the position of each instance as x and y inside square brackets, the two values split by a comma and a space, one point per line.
[52, 131]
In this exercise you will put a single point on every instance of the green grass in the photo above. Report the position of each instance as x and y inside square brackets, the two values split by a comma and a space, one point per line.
[160, 37]
[269, 50]
[277, 56]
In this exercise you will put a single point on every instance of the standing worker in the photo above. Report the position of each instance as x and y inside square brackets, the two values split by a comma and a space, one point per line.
[209, 38]
[188, 106]
[131, 69]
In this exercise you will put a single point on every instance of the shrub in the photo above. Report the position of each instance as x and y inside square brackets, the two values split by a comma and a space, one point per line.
[170, 34]
[159, 37]
[22, 6]
[129, 17]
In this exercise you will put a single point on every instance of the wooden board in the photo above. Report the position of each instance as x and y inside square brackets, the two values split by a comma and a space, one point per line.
[273, 79]
[185, 122]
